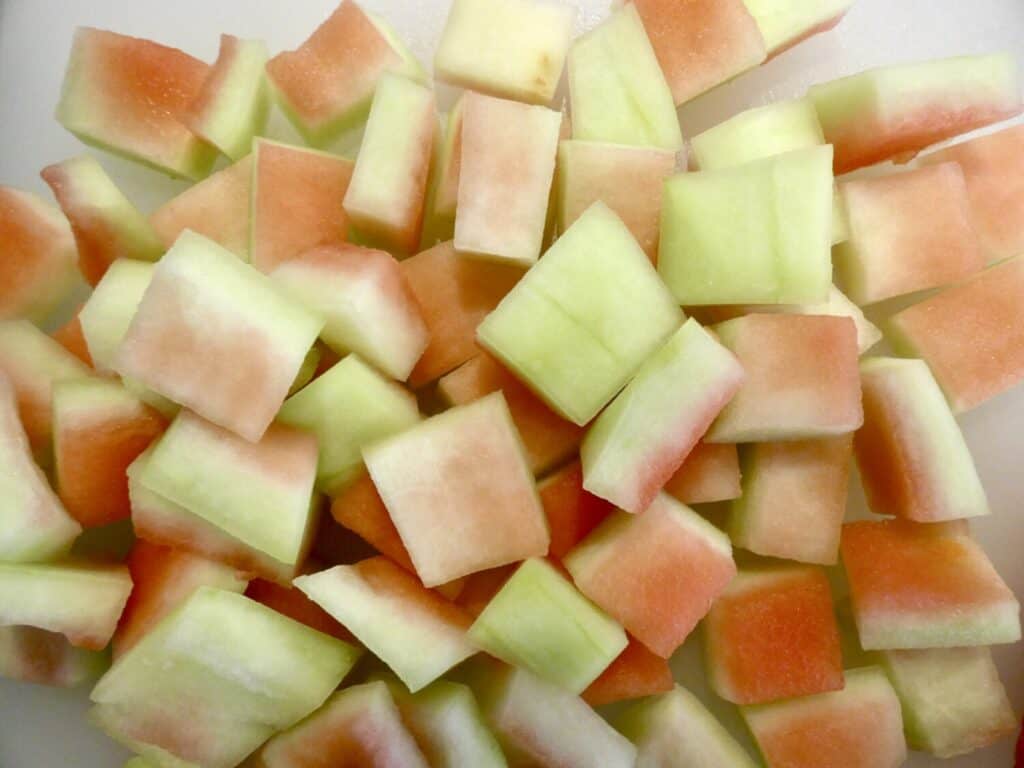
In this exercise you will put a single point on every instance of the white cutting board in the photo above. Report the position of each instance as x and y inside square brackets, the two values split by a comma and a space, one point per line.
[42, 728]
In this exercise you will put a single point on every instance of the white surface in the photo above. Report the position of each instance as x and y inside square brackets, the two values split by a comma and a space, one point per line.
[41, 728]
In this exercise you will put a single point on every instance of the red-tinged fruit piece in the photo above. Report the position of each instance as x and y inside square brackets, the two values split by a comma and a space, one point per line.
[785, 23]
[293, 603]
[711, 472]
[34, 655]
[360, 509]
[479, 588]
[572, 511]
[635, 673]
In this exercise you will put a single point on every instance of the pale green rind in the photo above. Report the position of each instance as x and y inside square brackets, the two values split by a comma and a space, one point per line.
[450, 729]
[954, 628]
[106, 315]
[414, 643]
[582, 320]
[756, 234]
[310, 363]
[539, 621]
[785, 22]
[446, 190]
[676, 729]
[349, 407]
[617, 90]
[27, 354]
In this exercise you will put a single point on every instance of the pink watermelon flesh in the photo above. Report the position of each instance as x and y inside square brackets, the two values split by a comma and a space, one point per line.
[572, 512]
[710, 473]
[34, 655]
[635, 673]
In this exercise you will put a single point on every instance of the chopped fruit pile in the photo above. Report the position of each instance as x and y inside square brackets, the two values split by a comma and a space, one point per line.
[406, 438]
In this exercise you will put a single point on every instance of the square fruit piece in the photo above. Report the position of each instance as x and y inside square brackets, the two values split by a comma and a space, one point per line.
[656, 573]
[386, 196]
[208, 491]
[506, 169]
[40, 256]
[635, 673]
[863, 723]
[617, 91]
[296, 194]
[184, 693]
[710, 473]
[917, 585]
[412, 629]
[993, 168]
[802, 379]
[325, 86]
[539, 621]
[675, 728]
[131, 96]
[953, 700]
[454, 295]
[360, 509]
[216, 336]
[571, 511]
[584, 319]
[794, 499]
[971, 335]
[346, 408]
[107, 313]
[773, 635]
[912, 457]
[360, 725]
[785, 23]
[701, 43]
[99, 429]
[628, 179]
[460, 492]
[510, 48]
[547, 437]
[759, 233]
[908, 232]
[33, 523]
[894, 112]
[639, 441]
[367, 304]
[32, 655]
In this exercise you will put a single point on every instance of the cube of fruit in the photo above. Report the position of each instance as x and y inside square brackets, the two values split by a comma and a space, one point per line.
[896, 111]
[794, 499]
[34, 655]
[360, 725]
[617, 90]
[924, 586]
[863, 723]
[908, 232]
[37, 271]
[540, 622]
[701, 43]
[360, 509]
[107, 226]
[412, 629]
[757, 133]
[348, 407]
[99, 429]
[639, 441]
[109, 310]
[234, 102]
[71, 337]
[773, 635]
[368, 305]
[784, 23]
[325, 86]
[710, 473]
[385, 198]
[992, 167]
[32, 362]
[971, 335]
[657, 573]
[131, 96]
[501, 216]
[802, 378]
[217, 207]
[759, 233]
[675, 728]
[296, 202]
[953, 700]
[582, 321]
[216, 336]
[635, 673]
[454, 295]
[547, 438]
[463, 470]
[162, 579]
[510, 48]
[82, 602]
[256, 495]
[571, 511]
[33, 524]
[628, 180]
[216, 678]
[538, 722]
[913, 460]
